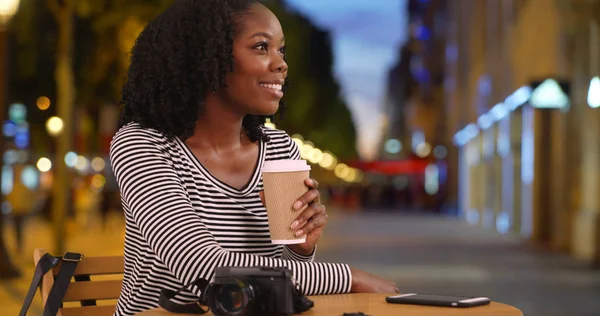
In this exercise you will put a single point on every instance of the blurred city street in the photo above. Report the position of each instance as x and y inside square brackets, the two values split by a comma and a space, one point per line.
[455, 142]
[422, 253]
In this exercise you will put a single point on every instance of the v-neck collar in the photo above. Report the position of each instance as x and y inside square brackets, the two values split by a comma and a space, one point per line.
[222, 186]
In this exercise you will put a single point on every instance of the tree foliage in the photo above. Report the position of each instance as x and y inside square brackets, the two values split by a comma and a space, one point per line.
[105, 31]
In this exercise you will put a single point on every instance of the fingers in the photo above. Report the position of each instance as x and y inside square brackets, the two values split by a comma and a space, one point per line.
[308, 197]
[315, 215]
[319, 220]
[396, 289]
[311, 183]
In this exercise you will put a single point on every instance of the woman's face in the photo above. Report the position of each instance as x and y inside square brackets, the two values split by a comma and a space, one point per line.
[254, 86]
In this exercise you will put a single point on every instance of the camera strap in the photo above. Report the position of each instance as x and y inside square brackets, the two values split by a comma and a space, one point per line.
[68, 263]
[301, 302]
[189, 308]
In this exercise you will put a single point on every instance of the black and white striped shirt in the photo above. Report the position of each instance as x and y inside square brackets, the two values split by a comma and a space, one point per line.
[181, 222]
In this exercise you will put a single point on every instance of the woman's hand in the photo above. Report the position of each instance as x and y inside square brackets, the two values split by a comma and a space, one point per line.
[364, 282]
[312, 221]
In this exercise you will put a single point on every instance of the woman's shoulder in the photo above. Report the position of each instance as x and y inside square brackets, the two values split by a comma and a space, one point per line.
[135, 131]
[277, 135]
[281, 145]
[134, 134]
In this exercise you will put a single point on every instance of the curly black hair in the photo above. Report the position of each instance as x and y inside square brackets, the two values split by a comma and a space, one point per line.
[179, 57]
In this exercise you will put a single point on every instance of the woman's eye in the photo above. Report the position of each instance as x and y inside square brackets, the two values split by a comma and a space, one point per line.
[261, 46]
[282, 50]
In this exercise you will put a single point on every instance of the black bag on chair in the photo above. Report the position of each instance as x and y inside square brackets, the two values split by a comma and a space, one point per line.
[61, 282]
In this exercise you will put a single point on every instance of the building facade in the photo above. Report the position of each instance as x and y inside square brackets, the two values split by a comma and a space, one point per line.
[528, 163]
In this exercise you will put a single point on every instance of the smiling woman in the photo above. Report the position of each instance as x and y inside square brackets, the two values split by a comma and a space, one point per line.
[203, 78]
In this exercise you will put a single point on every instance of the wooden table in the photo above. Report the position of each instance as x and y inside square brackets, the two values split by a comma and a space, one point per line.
[375, 305]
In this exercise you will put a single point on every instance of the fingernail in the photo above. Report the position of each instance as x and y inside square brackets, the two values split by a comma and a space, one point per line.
[300, 232]
[294, 225]
[297, 205]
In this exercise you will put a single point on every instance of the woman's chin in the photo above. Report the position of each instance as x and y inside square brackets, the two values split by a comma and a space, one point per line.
[267, 111]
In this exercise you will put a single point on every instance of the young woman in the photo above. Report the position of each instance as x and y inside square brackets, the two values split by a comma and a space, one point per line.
[203, 77]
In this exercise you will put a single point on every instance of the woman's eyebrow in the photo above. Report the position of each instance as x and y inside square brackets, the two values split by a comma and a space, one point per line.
[265, 34]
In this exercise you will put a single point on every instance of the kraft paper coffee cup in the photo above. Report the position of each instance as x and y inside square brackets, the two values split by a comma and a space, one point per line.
[283, 182]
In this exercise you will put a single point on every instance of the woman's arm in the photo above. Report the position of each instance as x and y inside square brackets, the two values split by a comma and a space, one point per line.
[289, 253]
[163, 212]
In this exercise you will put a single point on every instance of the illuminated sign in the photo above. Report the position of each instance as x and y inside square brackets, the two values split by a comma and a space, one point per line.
[549, 95]
[593, 98]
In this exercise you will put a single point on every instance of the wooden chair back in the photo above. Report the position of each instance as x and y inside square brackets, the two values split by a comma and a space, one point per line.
[106, 275]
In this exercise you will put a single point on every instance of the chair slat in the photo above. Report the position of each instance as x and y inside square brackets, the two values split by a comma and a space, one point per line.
[105, 268]
[107, 310]
[98, 266]
[99, 290]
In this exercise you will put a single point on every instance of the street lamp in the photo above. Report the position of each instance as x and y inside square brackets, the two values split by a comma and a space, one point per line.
[8, 8]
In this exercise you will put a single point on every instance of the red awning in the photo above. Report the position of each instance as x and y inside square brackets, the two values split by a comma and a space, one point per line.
[392, 167]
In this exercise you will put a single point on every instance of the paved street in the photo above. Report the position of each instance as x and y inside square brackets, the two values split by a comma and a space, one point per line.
[421, 253]
[447, 256]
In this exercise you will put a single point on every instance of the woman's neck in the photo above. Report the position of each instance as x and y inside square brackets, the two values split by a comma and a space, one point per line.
[218, 127]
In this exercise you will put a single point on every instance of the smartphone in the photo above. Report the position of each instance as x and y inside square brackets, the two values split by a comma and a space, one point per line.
[437, 300]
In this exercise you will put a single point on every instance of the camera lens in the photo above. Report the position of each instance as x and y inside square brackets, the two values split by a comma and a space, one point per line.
[232, 299]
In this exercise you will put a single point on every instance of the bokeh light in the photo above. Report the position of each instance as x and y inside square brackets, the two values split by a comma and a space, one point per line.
[54, 125]
[70, 159]
[43, 103]
[44, 164]
[98, 164]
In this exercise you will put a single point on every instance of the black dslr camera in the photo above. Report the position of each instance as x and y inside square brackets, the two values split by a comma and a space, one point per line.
[250, 291]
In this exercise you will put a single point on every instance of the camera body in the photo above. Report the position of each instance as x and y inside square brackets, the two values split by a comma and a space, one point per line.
[252, 291]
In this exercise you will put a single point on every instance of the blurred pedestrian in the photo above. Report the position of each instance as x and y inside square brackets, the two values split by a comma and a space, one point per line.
[22, 199]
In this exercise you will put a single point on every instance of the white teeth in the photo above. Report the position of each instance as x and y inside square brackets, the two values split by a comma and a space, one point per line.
[277, 87]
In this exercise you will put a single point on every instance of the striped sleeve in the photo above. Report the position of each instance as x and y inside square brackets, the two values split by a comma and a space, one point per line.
[174, 231]
[290, 254]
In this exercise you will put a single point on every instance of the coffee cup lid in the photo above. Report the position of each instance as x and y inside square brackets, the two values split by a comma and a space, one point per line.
[285, 166]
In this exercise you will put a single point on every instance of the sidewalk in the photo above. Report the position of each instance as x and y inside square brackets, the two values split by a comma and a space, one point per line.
[86, 236]
[92, 240]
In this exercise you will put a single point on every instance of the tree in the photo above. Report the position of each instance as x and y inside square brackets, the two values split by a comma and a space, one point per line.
[82, 45]
[65, 97]
[7, 268]
[106, 18]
